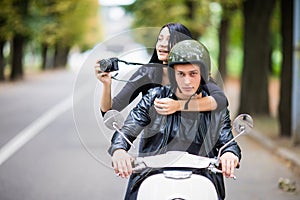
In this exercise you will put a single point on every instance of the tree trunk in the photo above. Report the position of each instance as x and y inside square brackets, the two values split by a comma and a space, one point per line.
[285, 104]
[17, 58]
[223, 41]
[254, 90]
[44, 56]
[18, 41]
[60, 56]
[2, 60]
[192, 5]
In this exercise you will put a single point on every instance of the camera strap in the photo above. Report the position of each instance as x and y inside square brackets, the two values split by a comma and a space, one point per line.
[130, 63]
[126, 81]
[115, 78]
[127, 63]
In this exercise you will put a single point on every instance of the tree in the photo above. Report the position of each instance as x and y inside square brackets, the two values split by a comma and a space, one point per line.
[54, 24]
[228, 9]
[223, 41]
[2, 60]
[13, 20]
[66, 23]
[254, 89]
[5, 32]
[285, 104]
[20, 35]
[193, 14]
[44, 26]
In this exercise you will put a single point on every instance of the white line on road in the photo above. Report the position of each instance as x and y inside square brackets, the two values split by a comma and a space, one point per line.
[33, 129]
[39, 124]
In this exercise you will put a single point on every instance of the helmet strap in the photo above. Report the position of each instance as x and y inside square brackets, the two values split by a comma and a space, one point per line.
[179, 89]
[186, 105]
[199, 90]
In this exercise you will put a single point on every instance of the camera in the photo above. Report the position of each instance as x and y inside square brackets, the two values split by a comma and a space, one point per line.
[109, 65]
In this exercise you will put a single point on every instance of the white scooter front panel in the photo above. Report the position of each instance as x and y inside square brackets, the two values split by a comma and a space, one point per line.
[159, 187]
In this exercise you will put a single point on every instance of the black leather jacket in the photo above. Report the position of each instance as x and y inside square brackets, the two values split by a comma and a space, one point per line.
[199, 133]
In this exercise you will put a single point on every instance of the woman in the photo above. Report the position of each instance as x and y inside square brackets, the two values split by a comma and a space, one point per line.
[149, 77]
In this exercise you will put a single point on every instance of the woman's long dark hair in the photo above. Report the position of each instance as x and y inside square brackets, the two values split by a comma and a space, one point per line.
[178, 32]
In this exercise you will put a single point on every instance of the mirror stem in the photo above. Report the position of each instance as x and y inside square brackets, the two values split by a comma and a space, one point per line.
[225, 145]
[122, 134]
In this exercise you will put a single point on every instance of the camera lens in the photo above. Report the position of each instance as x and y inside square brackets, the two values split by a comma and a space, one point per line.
[105, 64]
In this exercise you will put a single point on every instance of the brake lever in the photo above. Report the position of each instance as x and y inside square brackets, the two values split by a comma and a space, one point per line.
[138, 165]
[215, 170]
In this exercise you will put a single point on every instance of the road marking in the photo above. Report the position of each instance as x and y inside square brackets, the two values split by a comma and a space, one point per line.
[33, 129]
[39, 124]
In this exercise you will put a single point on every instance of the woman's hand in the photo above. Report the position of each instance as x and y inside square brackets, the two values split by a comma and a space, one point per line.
[229, 162]
[121, 161]
[166, 106]
[104, 77]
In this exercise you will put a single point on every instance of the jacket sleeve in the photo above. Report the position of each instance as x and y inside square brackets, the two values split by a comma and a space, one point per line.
[226, 135]
[216, 92]
[136, 121]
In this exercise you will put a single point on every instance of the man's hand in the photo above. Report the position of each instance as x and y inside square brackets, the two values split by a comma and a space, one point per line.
[121, 161]
[166, 106]
[229, 162]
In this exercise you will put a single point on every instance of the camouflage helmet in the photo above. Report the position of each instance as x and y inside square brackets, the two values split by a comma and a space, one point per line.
[189, 51]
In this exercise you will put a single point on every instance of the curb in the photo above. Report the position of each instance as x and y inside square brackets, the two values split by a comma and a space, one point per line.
[284, 153]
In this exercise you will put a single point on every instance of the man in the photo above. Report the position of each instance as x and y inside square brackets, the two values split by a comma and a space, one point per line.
[199, 133]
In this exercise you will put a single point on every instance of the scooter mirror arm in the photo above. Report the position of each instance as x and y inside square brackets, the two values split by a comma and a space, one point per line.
[225, 145]
[115, 126]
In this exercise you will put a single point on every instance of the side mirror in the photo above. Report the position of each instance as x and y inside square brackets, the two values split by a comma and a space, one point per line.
[112, 119]
[243, 123]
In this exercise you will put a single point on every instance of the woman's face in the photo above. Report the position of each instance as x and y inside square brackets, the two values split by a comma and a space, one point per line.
[162, 45]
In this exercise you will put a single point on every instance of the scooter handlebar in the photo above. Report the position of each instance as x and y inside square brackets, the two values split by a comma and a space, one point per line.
[176, 160]
[173, 159]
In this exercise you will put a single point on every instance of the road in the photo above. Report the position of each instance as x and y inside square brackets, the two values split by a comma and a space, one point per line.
[65, 158]
[53, 164]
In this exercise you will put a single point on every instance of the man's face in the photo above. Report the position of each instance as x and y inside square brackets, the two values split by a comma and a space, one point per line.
[188, 77]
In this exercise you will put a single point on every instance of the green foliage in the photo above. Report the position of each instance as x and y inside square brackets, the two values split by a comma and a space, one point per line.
[275, 38]
[235, 61]
[193, 14]
[63, 22]
[6, 29]
[66, 22]
[48, 25]
[235, 52]
[236, 29]
[14, 19]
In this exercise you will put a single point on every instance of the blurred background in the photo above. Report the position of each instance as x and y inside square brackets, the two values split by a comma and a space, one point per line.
[254, 45]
